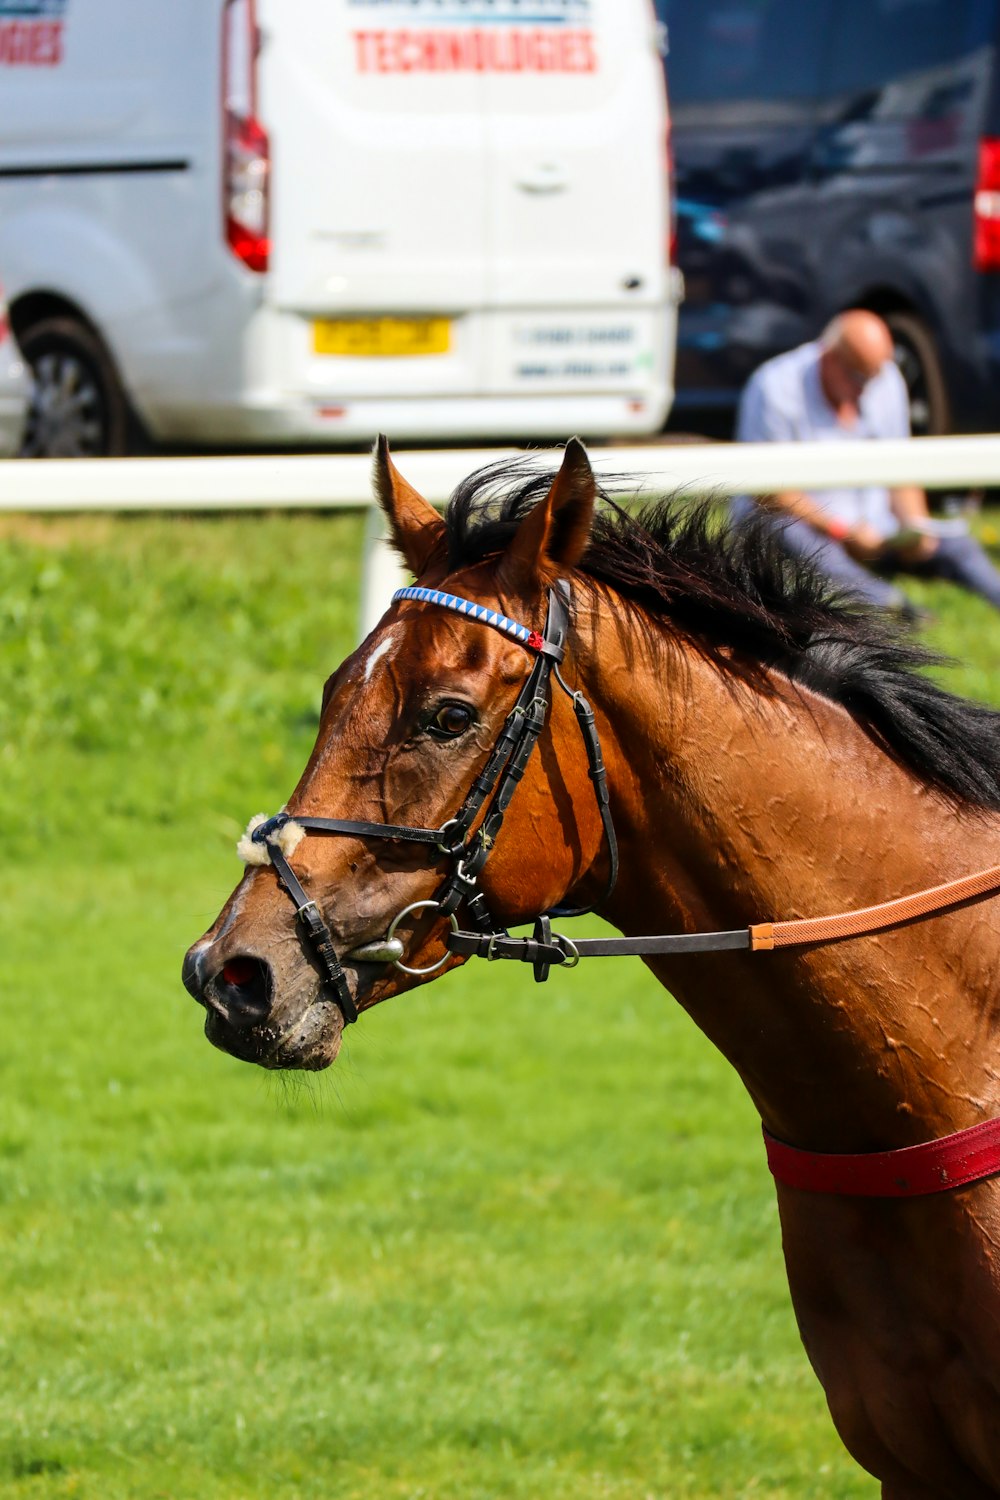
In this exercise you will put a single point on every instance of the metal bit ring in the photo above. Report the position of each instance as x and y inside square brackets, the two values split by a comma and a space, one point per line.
[390, 934]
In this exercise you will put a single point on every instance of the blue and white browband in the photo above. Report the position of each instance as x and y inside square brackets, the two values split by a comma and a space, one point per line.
[520, 633]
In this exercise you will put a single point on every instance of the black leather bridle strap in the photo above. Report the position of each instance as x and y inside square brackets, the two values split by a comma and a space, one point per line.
[586, 721]
[523, 726]
[502, 772]
[511, 737]
[560, 950]
[308, 913]
[370, 830]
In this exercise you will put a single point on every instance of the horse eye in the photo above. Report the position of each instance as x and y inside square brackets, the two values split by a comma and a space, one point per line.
[451, 720]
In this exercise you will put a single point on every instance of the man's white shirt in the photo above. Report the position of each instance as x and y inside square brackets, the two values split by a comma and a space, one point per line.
[784, 402]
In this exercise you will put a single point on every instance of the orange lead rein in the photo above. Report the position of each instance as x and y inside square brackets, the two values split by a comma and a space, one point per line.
[767, 935]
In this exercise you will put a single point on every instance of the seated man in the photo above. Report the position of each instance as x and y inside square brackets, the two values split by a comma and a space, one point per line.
[846, 388]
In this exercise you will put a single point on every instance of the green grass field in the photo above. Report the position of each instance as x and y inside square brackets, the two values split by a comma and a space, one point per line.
[520, 1241]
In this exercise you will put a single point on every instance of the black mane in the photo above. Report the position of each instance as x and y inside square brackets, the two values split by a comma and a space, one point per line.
[735, 596]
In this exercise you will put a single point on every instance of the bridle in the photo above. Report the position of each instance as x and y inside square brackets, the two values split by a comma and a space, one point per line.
[467, 839]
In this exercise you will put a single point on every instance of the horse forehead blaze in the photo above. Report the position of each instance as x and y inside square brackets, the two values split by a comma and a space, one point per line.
[386, 645]
[425, 646]
[377, 698]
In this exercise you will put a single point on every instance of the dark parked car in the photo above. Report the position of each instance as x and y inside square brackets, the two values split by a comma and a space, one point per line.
[832, 154]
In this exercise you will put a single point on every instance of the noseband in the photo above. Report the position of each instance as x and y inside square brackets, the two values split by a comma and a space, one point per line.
[468, 851]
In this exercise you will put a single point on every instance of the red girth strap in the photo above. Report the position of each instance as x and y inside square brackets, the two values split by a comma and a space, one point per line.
[912, 1172]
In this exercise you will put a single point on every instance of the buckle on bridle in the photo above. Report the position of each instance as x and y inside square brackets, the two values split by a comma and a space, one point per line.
[543, 935]
[447, 848]
[464, 876]
[570, 949]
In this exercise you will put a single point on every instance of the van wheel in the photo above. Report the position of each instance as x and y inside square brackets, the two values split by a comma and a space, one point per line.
[920, 367]
[77, 408]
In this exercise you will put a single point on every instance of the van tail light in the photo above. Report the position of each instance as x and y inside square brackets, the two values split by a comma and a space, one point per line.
[661, 38]
[4, 321]
[246, 150]
[986, 218]
[248, 164]
[668, 167]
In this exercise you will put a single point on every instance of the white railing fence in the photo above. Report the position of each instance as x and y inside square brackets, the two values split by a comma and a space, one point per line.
[332, 481]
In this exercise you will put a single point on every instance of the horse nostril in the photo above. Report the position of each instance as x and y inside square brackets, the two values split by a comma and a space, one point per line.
[240, 971]
[241, 991]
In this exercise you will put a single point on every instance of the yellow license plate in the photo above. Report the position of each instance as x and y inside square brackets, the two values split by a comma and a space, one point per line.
[381, 338]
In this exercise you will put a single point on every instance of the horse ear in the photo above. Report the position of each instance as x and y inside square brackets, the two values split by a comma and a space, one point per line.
[416, 529]
[557, 530]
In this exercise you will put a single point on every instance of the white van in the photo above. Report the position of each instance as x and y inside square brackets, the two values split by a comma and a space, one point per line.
[13, 389]
[302, 221]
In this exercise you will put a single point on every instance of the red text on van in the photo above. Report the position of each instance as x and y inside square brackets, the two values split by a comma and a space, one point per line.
[475, 51]
[31, 44]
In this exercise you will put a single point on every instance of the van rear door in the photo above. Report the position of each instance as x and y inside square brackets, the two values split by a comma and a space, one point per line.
[378, 196]
[576, 174]
[447, 174]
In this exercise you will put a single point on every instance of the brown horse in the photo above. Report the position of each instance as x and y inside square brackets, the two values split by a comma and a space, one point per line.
[769, 753]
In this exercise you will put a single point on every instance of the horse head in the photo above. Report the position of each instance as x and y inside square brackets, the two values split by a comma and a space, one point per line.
[408, 724]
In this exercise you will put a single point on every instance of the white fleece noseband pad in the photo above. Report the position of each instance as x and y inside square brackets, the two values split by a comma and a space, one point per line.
[288, 838]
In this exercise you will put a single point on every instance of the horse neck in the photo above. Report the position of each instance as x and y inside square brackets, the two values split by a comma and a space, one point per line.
[734, 806]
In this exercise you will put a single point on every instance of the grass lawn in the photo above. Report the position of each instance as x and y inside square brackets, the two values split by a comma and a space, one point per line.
[520, 1241]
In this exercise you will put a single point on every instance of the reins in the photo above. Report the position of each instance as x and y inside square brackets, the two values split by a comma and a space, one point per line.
[762, 937]
[468, 838]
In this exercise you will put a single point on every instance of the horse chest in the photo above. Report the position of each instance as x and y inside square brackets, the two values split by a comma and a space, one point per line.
[900, 1320]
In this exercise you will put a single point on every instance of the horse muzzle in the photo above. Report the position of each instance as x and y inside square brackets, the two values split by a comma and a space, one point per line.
[245, 1019]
